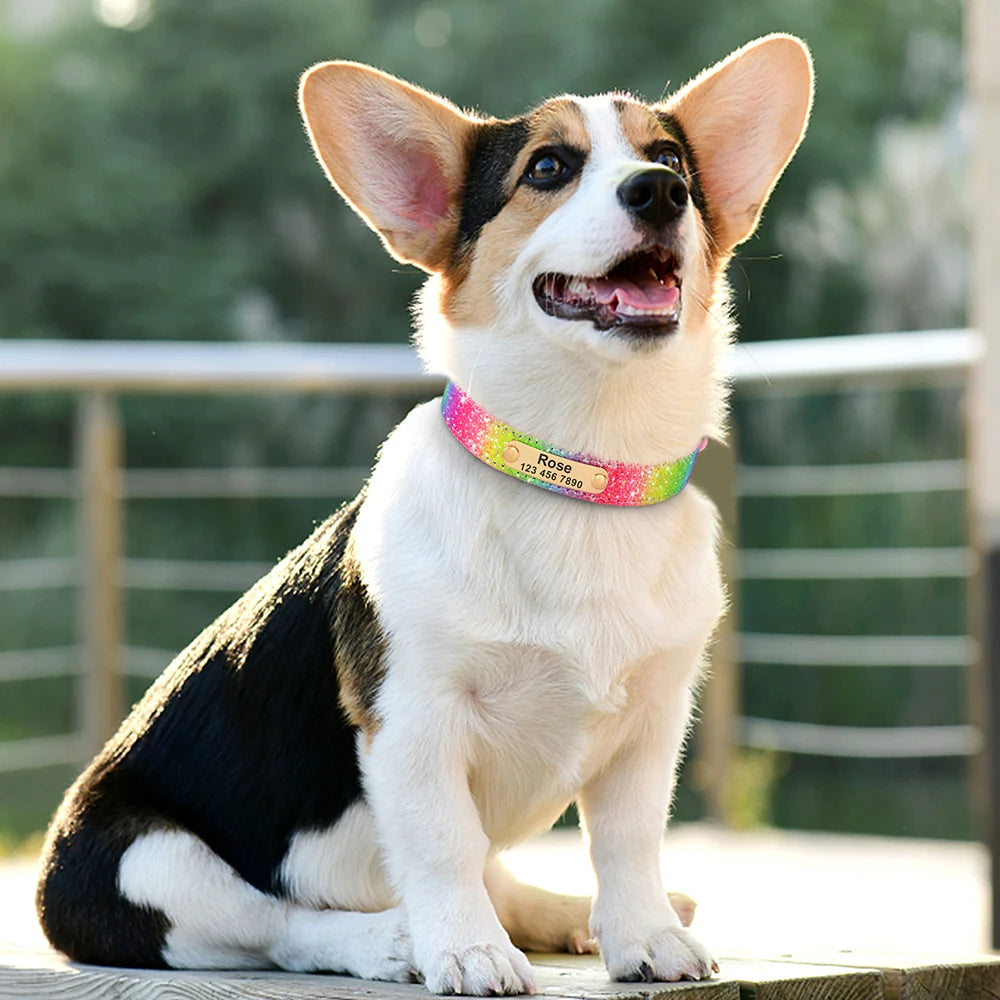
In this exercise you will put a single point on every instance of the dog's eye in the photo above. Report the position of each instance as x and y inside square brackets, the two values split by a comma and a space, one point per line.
[548, 169]
[669, 157]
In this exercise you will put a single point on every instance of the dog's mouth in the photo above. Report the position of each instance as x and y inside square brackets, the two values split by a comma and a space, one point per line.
[640, 294]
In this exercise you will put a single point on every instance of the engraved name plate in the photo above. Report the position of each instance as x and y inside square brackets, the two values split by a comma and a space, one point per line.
[555, 469]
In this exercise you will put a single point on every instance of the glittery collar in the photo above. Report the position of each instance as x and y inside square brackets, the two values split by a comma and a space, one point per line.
[621, 484]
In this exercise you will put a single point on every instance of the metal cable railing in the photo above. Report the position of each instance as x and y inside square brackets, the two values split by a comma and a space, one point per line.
[98, 371]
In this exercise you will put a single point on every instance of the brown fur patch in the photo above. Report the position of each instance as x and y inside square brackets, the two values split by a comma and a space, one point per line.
[467, 287]
[557, 122]
[639, 124]
[359, 646]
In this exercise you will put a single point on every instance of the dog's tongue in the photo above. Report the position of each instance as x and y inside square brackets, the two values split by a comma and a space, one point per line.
[649, 295]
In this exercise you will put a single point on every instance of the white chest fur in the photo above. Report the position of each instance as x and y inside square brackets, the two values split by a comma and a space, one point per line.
[536, 615]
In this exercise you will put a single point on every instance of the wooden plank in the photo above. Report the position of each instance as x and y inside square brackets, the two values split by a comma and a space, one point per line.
[927, 977]
[968, 982]
[754, 980]
[763, 980]
[43, 975]
[35, 974]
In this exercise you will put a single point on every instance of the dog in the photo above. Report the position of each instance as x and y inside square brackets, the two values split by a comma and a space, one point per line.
[513, 613]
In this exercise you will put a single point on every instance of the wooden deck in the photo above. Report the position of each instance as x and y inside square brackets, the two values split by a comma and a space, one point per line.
[792, 916]
[42, 975]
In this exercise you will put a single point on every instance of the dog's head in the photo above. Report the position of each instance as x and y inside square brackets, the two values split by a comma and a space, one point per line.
[600, 224]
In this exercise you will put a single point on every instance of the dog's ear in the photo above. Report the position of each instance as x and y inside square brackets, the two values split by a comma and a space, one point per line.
[744, 118]
[395, 152]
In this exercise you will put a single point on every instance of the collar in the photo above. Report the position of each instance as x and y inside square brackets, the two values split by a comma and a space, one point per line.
[573, 474]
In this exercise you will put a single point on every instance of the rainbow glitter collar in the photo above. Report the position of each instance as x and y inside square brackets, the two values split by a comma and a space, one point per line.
[621, 484]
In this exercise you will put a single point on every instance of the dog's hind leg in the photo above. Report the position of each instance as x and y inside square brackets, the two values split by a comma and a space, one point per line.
[536, 919]
[218, 920]
[539, 920]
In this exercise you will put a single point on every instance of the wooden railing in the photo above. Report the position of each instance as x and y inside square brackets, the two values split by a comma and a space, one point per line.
[97, 373]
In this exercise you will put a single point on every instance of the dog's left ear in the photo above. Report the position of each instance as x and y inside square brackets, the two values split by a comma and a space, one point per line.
[744, 118]
[395, 152]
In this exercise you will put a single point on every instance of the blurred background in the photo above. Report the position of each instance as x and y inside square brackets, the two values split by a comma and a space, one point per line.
[156, 184]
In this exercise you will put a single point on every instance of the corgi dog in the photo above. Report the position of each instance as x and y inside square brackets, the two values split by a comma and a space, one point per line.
[513, 613]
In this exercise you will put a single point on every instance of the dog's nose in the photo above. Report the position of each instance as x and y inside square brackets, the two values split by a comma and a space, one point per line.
[656, 195]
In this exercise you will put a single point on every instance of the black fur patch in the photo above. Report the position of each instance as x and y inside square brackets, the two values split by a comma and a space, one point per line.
[493, 148]
[79, 906]
[243, 742]
[673, 126]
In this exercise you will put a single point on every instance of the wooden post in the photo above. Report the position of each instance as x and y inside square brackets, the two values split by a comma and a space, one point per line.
[715, 473]
[100, 604]
[982, 40]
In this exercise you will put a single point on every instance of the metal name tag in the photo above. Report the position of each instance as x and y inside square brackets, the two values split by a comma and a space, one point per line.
[555, 469]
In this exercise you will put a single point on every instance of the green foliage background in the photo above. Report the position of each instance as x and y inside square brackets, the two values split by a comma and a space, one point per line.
[156, 184]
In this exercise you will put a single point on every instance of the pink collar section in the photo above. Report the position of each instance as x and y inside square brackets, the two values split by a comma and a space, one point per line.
[573, 474]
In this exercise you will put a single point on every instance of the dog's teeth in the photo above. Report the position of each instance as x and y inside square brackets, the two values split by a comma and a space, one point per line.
[622, 309]
[578, 287]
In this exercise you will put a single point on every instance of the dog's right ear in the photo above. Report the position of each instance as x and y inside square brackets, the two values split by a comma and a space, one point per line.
[745, 117]
[395, 152]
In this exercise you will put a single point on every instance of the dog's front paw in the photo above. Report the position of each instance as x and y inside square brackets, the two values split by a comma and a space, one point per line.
[479, 970]
[667, 956]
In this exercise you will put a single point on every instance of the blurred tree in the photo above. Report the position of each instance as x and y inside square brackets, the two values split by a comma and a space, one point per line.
[157, 183]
